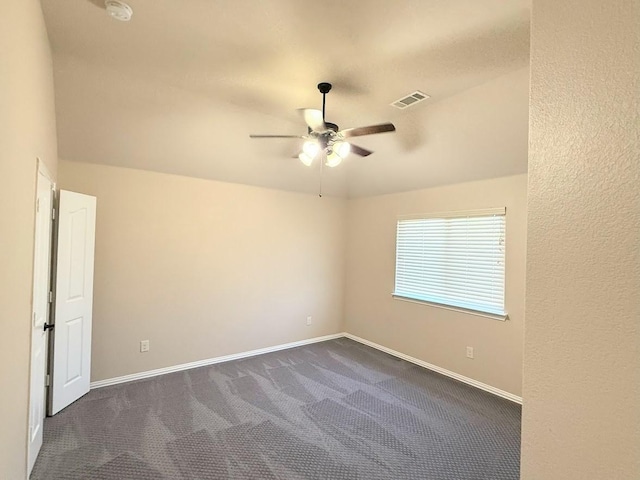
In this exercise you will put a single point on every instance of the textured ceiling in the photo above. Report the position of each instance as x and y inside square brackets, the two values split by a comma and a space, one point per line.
[180, 87]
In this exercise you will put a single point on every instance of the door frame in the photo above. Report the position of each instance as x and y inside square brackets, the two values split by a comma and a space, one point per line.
[52, 304]
[41, 169]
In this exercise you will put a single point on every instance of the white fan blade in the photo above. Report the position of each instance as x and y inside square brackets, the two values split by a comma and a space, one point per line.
[313, 119]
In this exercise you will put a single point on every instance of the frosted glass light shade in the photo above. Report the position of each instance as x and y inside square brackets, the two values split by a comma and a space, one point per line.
[342, 148]
[306, 159]
[333, 160]
[311, 148]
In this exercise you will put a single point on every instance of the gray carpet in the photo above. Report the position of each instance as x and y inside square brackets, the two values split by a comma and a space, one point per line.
[334, 410]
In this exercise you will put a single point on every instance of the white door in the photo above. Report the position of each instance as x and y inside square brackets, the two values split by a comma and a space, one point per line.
[73, 299]
[41, 288]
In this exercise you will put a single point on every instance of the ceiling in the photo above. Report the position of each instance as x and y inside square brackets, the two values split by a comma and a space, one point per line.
[180, 87]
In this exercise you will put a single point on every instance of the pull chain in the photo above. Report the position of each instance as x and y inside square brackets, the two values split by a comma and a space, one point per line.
[321, 163]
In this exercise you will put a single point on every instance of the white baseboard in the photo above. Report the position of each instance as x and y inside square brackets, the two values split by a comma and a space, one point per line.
[284, 346]
[443, 371]
[209, 361]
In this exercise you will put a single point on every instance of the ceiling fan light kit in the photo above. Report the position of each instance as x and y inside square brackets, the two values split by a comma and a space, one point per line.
[336, 151]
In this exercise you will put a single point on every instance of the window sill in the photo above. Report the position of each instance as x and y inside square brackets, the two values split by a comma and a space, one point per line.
[478, 313]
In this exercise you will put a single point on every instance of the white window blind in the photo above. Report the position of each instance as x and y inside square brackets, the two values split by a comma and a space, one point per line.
[454, 259]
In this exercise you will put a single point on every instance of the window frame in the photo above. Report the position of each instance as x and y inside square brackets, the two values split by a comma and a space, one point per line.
[490, 212]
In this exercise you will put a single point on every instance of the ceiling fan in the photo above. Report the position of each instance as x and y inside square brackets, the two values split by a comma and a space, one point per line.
[325, 139]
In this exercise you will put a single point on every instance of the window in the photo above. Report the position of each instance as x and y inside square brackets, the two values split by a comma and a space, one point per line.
[453, 259]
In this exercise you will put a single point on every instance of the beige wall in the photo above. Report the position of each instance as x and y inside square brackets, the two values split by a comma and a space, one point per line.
[581, 415]
[204, 268]
[432, 334]
[27, 131]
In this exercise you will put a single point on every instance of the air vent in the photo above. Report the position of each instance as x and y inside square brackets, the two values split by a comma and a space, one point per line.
[410, 100]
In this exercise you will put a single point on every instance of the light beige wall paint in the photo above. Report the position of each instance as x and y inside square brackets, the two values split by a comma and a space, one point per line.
[204, 268]
[27, 131]
[432, 334]
[581, 415]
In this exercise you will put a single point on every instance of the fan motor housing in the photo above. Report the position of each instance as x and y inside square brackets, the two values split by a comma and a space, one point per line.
[331, 126]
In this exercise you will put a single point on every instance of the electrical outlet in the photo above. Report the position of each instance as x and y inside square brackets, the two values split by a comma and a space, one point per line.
[469, 352]
[309, 321]
[144, 346]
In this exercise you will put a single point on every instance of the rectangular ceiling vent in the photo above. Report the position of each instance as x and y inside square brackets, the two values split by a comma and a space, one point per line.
[409, 100]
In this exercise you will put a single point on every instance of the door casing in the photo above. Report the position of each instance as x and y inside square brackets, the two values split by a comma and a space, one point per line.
[45, 189]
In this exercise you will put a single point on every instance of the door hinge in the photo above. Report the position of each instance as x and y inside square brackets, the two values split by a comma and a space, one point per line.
[50, 297]
[53, 214]
[47, 380]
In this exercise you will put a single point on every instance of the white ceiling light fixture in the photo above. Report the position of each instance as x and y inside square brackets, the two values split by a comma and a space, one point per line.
[335, 152]
[118, 10]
